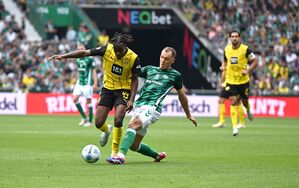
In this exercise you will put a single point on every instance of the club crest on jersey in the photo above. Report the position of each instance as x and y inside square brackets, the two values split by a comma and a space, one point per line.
[157, 77]
[165, 77]
[234, 60]
[125, 61]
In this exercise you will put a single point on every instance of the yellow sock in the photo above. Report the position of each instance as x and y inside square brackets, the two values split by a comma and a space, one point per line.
[116, 136]
[234, 115]
[104, 128]
[222, 113]
[241, 115]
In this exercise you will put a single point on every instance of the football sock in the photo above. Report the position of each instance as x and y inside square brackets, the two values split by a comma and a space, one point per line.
[222, 113]
[104, 128]
[127, 141]
[144, 149]
[80, 109]
[241, 115]
[117, 133]
[234, 115]
[90, 112]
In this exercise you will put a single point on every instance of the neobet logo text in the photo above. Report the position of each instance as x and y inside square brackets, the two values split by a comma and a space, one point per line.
[142, 17]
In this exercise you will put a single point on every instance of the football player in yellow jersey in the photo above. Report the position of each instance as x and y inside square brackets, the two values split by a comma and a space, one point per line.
[121, 68]
[222, 97]
[239, 61]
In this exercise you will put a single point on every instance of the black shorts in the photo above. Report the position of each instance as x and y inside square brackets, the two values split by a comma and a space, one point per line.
[241, 91]
[111, 98]
[224, 93]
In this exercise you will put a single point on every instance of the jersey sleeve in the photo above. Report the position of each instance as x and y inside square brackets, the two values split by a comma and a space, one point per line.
[143, 71]
[137, 66]
[98, 51]
[249, 54]
[224, 57]
[178, 82]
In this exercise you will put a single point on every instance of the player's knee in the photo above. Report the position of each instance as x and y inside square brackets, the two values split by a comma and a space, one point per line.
[99, 123]
[135, 124]
[75, 100]
[134, 147]
[118, 122]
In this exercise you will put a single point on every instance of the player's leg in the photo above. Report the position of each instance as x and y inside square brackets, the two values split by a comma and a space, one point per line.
[88, 91]
[100, 122]
[244, 93]
[120, 112]
[76, 95]
[104, 107]
[234, 113]
[241, 116]
[221, 122]
[122, 96]
[141, 119]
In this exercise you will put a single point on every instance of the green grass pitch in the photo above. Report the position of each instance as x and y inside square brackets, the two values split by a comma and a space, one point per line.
[45, 151]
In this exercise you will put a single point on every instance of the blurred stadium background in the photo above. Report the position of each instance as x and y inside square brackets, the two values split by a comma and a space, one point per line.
[266, 154]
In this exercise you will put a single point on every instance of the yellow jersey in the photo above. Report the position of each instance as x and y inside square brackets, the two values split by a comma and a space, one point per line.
[236, 61]
[118, 72]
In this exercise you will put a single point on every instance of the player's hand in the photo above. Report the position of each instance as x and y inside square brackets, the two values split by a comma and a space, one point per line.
[245, 72]
[129, 106]
[55, 57]
[222, 68]
[193, 120]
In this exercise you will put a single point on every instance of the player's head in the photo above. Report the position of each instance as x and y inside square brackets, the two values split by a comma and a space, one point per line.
[80, 46]
[120, 42]
[234, 37]
[167, 57]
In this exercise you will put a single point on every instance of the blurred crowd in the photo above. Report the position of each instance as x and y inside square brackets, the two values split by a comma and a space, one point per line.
[269, 27]
[24, 66]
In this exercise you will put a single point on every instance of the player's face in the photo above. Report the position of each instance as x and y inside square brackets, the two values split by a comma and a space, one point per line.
[119, 50]
[166, 60]
[235, 38]
[80, 47]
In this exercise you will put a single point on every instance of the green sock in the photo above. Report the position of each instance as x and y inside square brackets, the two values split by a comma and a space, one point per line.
[79, 107]
[144, 149]
[90, 113]
[127, 141]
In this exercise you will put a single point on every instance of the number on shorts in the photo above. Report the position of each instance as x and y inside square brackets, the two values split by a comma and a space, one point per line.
[125, 95]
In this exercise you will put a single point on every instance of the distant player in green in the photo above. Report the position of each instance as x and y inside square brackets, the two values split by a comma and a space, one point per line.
[159, 81]
[86, 82]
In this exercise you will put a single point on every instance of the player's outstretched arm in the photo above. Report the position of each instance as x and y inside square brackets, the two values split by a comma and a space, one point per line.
[184, 102]
[74, 54]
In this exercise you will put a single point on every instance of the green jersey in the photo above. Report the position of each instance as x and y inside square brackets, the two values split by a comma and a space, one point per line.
[158, 83]
[85, 68]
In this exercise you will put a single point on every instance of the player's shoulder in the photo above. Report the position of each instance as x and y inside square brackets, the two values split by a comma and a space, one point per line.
[228, 47]
[176, 72]
[244, 46]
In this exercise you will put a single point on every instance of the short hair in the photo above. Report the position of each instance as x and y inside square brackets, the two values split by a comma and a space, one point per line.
[234, 31]
[121, 38]
[170, 49]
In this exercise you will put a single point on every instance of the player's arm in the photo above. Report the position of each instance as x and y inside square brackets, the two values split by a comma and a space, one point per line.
[223, 69]
[134, 83]
[252, 60]
[80, 53]
[74, 54]
[95, 83]
[184, 102]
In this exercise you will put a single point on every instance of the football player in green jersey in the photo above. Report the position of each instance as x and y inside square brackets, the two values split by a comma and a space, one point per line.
[86, 82]
[147, 108]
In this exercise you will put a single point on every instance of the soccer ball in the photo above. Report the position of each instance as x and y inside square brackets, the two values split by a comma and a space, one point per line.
[91, 153]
